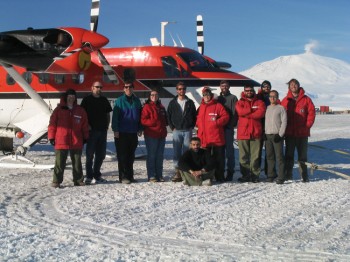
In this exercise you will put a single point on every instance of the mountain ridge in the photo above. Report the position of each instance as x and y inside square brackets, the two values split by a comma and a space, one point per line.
[325, 79]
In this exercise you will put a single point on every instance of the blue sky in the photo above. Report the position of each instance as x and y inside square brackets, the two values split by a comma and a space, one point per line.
[243, 33]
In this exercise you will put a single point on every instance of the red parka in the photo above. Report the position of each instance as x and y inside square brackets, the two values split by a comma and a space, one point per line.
[300, 114]
[154, 120]
[68, 127]
[250, 113]
[211, 120]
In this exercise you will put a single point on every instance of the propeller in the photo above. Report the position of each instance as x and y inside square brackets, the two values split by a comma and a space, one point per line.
[200, 36]
[94, 15]
[200, 44]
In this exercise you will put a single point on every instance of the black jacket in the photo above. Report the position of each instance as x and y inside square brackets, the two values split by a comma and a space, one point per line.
[179, 120]
[195, 161]
[229, 101]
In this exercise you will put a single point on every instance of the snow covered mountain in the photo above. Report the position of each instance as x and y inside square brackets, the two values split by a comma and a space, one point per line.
[326, 80]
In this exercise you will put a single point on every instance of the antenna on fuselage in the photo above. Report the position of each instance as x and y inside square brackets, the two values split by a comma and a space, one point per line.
[162, 29]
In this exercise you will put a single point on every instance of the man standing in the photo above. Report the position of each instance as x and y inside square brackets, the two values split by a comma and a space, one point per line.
[300, 118]
[250, 111]
[98, 110]
[211, 121]
[182, 119]
[263, 95]
[196, 166]
[126, 124]
[68, 131]
[275, 126]
[229, 101]
[264, 91]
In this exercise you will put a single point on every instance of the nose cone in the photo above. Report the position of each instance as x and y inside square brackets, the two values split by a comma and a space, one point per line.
[96, 40]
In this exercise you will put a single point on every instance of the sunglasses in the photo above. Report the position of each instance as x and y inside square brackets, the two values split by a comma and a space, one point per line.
[127, 87]
[181, 89]
[98, 86]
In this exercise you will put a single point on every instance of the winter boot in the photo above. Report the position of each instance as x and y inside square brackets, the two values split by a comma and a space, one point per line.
[177, 176]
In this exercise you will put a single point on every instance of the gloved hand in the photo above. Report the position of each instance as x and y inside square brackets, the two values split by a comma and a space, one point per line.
[52, 142]
[277, 138]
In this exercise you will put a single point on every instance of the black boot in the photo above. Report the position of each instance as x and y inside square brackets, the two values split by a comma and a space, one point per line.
[177, 177]
[229, 176]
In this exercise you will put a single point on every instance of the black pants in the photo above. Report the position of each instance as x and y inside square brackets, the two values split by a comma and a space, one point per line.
[126, 146]
[300, 144]
[95, 153]
[218, 156]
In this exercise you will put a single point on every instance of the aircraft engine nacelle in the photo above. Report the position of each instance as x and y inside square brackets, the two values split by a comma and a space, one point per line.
[54, 50]
[9, 132]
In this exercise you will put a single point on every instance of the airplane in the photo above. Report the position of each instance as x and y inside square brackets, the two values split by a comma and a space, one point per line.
[38, 65]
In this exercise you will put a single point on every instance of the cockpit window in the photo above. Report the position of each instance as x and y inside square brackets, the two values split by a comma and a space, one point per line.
[195, 60]
[170, 66]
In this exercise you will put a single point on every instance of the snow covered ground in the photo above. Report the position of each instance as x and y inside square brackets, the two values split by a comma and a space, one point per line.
[172, 222]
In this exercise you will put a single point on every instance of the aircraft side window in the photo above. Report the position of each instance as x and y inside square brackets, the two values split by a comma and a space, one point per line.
[27, 76]
[10, 80]
[78, 78]
[170, 66]
[184, 72]
[43, 78]
[59, 78]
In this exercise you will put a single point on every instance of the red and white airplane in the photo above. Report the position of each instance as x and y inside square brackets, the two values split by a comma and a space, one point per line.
[38, 65]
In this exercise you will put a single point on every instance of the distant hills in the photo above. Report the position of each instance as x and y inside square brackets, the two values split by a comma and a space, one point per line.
[326, 80]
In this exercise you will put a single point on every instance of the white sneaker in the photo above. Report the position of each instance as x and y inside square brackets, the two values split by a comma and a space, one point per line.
[125, 181]
[88, 181]
[206, 182]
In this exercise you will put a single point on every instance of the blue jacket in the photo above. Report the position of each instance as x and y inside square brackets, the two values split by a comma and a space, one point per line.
[127, 115]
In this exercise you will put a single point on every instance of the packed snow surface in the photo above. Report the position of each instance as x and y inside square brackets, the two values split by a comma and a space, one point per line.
[171, 222]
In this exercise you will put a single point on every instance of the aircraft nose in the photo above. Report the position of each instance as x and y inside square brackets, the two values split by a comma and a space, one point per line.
[96, 40]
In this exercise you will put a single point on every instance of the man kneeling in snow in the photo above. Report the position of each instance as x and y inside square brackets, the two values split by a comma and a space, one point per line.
[196, 165]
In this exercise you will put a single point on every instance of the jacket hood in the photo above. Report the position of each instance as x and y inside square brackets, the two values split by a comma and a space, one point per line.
[245, 98]
[212, 101]
[63, 100]
[301, 93]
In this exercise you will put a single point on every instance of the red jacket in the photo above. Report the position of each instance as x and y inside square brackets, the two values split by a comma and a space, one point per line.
[154, 120]
[211, 120]
[300, 114]
[68, 127]
[250, 113]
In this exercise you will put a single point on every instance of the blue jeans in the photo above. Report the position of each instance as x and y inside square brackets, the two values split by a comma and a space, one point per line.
[155, 153]
[181, 143]
[229, 151]
[95, 153]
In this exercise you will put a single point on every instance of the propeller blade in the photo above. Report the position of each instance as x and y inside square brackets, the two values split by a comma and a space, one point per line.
[112, 75]
[66, 54]
[95, 11]
[200, 36]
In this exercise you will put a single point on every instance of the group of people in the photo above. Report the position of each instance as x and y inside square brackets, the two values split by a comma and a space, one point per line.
[198, 160]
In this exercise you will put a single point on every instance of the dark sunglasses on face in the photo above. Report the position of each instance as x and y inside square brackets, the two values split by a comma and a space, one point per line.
[127, 87]
[181, 89]
[98, 86]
